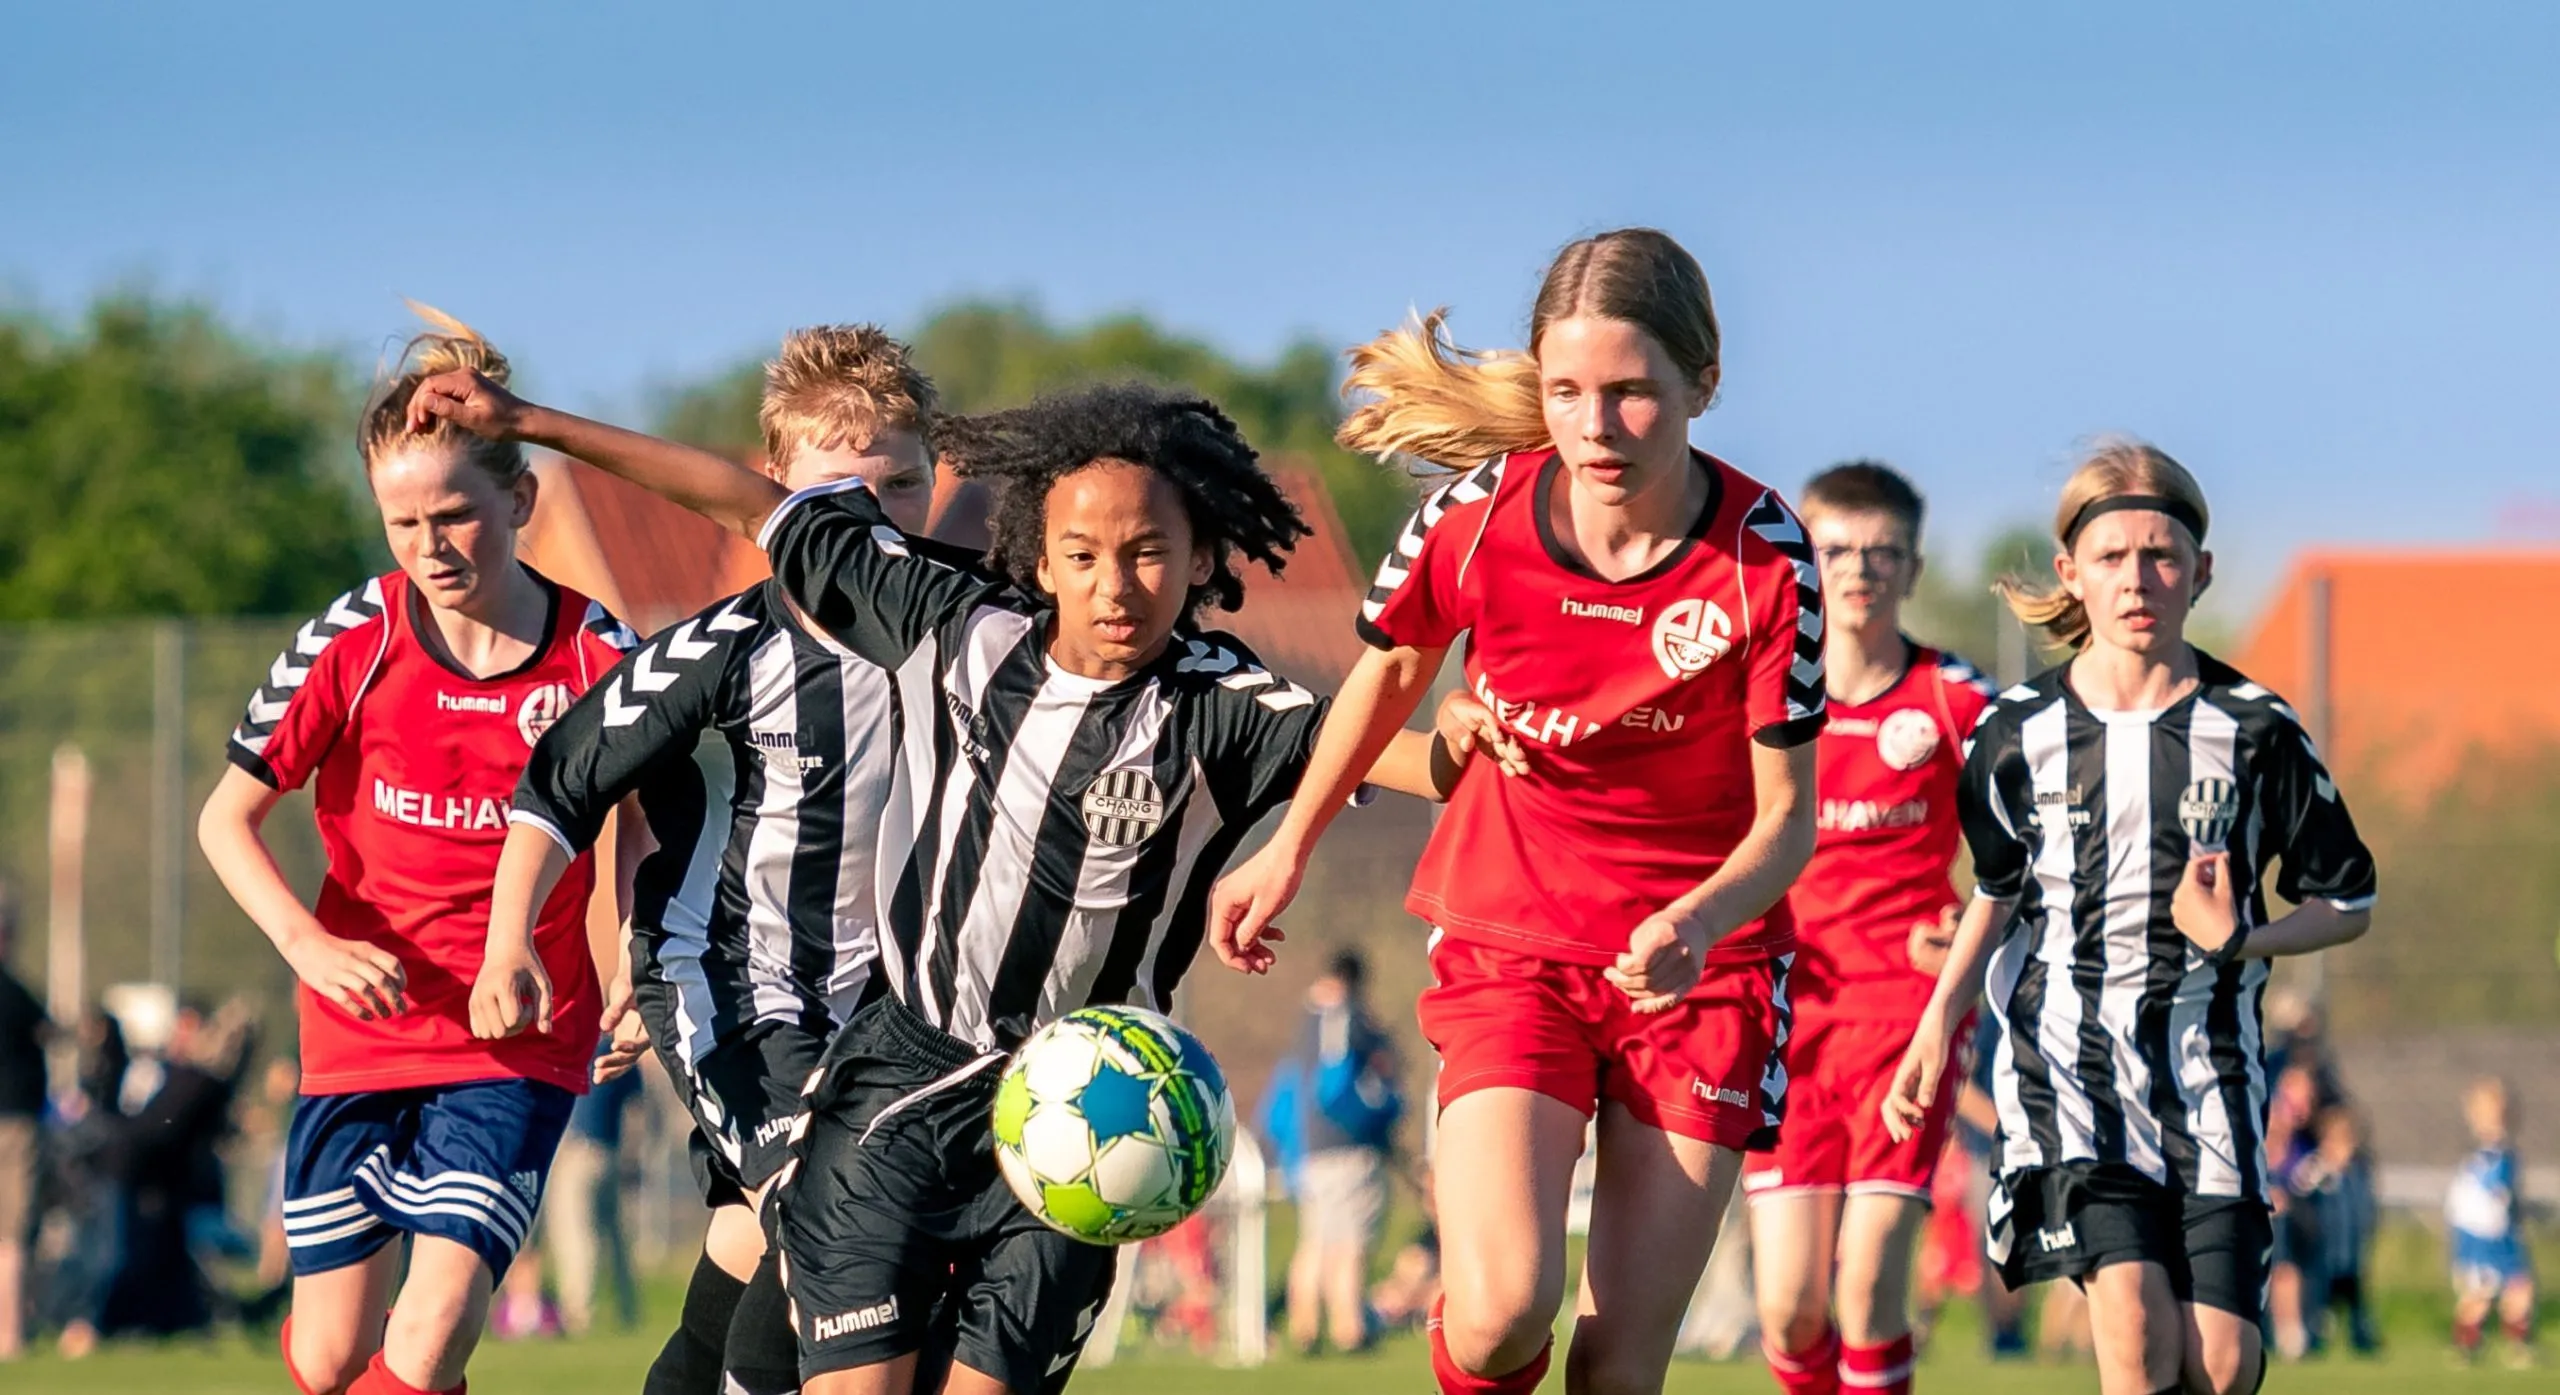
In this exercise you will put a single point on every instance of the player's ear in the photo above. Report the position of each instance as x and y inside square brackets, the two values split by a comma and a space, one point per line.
[521, 496]
[1708, 379]
[1040, 572]
[1204, 561]
[2204, 576]
[2066, 569]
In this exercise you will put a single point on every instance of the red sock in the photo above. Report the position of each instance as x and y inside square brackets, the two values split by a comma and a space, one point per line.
[2466, 1335]
[2519, 1329]
[378, 1380]
[1816, 1370]
[1454, 1381]
[1884, 1367]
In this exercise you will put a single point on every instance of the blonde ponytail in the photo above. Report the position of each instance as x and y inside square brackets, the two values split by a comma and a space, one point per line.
[1432, 401]
[2111, 467]
[448, 347]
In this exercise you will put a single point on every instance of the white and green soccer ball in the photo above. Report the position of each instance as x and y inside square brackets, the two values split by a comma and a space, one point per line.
[1113, 1125]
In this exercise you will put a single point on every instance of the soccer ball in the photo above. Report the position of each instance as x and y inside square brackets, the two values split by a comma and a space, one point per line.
[1113, 1125]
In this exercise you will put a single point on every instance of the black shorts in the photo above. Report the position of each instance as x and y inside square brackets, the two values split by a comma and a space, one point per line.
[744, 1094]
[2069, 1222]
[897, 1233]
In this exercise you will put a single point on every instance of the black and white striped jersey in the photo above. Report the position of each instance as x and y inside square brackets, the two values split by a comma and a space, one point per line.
[762, 754]
[2117, 1041]
[1066, 830]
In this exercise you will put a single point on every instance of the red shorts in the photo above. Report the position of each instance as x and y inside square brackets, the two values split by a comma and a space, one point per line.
[1838, 1069]
[1705, 1069]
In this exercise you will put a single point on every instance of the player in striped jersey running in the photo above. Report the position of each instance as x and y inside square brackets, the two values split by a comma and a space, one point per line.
[1091, 762]
[410, 708]
[761, 751]
[2124, 808]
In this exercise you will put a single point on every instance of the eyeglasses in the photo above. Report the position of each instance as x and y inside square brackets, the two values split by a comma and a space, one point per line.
[1884, 557]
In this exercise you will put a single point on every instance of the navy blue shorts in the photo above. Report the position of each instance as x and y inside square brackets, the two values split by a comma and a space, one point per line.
[466, 1162]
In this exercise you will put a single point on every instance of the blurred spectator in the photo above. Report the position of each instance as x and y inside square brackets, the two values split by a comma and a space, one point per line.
[582, 1208]
[1346, 1105]
[2290, 1142]
[1402, 1299]
[2335, 1183]
[520, 1308]
[2295, 1037]
[24, 1030]
[2484, 1209]
[165, 1159]
[86, 1202]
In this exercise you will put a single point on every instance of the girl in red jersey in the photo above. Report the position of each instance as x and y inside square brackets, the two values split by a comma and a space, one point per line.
[410, 707]
[1836, 1206]
[1645, 622]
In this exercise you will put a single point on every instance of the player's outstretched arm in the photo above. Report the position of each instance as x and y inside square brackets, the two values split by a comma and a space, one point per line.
[730, 495]
[513, 991]
[1381, 692]
[1916, 1082]
[364, 980]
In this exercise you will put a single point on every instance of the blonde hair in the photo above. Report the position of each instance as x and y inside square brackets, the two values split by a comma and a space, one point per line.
[2111, 467]
[1432, 401]
[449, 346]
[840, 385]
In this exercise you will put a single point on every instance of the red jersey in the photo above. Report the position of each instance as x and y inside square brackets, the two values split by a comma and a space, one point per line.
[412, 766]
[1887, 839]
[1641, 699]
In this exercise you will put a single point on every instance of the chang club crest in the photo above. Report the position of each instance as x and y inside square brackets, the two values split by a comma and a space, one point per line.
[541, 707]
[1123, 808]
[2207, 810]
[1906, 738]
[1689, 635]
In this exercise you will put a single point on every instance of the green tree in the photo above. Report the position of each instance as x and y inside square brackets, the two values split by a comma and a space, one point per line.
[155, 462]
[985, 355]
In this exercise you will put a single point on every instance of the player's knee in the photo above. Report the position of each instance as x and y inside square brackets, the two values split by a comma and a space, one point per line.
[1497, 1338]
[1798, 1324]
[1597, 1368]
[325, 1363]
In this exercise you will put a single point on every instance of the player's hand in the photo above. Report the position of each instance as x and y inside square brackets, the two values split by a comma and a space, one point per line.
[467, 398]
[512, 993]
[626, 1031]
[1930, 942]
[1467, 725]
[365, 981]
[1662, 962]
[2203, 908]
[1244, 904]
[1915, 1081]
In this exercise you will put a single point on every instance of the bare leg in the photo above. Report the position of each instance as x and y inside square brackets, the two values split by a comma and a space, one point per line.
[2222, 1354]
[442, 1310]
[1655, 1207]
[1792, 1238]
[1877, 1233]
[338, 1320]
[2136, 1329]
[1504, 1177]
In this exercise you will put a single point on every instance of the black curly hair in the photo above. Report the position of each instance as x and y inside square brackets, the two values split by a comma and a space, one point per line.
[1023, 452]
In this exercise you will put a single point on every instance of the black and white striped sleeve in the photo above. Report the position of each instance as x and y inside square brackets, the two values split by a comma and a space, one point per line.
[838, 556]
[1259, 733]
[1995, 806]
[2308, 823]
[652, 707]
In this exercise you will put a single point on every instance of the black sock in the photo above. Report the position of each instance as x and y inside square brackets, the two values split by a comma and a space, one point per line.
[762, 1355]
[689, 1364]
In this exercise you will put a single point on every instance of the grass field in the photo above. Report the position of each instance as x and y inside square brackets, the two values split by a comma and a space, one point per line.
[2415, 1364]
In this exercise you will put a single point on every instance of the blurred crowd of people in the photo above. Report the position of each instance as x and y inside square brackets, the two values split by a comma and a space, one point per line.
[141, 1187]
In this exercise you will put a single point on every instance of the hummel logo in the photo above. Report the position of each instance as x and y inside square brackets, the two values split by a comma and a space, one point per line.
[1719, 1094]
[859, 1320]
[2053, 1238]
[773, 1129]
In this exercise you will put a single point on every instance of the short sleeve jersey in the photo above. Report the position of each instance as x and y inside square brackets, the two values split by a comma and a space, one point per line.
[1886, 839]
[412, 764]
[1640, 700]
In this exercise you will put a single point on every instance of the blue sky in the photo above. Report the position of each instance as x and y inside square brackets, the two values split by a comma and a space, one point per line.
[2312, 249]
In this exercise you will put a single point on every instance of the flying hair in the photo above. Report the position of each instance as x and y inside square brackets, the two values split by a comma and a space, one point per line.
[2112, 467]
[1234, 508]
[1423, 397]
[448, 346]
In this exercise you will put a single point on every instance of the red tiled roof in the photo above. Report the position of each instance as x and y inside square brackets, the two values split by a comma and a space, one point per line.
[2426, 662]
[653, 563]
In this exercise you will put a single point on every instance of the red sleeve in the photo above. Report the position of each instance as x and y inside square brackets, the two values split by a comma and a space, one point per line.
[602, 643]
[310, 689]
[1968, 692]
[1786, 703]
[1418, 600]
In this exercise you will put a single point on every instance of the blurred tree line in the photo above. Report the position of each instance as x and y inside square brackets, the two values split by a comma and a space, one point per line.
[985, 355]
[156, 462]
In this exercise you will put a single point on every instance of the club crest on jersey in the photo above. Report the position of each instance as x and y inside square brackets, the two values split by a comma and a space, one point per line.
[542, 707]
[1906, 738]
[1689, 635]
[1123, 808]
[2207, 810]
